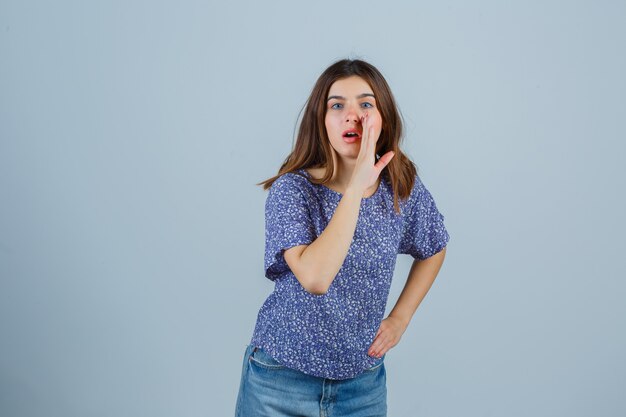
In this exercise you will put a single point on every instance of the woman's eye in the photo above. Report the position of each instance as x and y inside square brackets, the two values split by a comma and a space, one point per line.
[366, 105]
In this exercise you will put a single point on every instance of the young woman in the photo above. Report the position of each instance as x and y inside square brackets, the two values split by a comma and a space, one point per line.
[344, 203]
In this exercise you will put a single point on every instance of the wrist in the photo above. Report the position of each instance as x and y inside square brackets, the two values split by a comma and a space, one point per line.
[402, 320]
[355, 191]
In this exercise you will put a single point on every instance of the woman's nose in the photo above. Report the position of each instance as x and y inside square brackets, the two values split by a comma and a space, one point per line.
[353, 116]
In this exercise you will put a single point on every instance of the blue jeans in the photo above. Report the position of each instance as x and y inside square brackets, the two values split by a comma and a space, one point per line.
[268, 388]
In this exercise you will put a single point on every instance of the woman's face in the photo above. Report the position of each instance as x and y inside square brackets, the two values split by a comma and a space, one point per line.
[349, 99]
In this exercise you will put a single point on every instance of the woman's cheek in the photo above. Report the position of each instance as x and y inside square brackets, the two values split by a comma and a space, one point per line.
[379, 126]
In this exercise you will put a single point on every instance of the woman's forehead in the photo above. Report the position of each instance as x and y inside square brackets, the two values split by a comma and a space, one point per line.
[351, 86]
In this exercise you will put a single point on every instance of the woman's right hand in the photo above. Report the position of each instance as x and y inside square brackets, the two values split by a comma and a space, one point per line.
[367, 170]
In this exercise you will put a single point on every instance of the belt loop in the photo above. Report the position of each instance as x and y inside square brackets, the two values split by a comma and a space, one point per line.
[254, 350]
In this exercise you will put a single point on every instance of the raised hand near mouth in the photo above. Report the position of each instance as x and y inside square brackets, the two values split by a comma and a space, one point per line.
[367, 170]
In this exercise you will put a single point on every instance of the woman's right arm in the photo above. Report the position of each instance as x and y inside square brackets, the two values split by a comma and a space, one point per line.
[316, 265]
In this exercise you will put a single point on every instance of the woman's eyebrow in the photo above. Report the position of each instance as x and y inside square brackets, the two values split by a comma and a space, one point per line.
[359, 96]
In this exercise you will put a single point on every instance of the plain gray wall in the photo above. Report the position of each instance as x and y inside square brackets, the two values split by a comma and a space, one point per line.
[131, 231]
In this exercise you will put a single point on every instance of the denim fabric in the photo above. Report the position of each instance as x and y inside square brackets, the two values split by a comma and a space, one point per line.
[268, 388]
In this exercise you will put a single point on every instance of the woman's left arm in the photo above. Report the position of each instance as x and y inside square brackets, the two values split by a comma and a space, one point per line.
[421, 278]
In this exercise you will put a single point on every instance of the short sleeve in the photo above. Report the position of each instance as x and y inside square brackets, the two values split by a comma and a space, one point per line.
[424, 233]
[288, 223]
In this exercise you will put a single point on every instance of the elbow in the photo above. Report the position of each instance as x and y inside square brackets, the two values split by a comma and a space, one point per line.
[306, 271]
[313, 285]
[317, 290]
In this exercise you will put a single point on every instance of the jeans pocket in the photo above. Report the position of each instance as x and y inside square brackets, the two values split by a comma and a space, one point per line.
[376, 366]
[258, 357]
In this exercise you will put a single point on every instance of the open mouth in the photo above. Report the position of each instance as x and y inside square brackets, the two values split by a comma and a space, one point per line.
[351, 136]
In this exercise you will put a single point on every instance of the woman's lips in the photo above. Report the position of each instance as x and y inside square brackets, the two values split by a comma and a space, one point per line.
[351, 135]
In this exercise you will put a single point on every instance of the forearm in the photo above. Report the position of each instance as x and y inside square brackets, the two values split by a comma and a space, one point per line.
[323, 258]
[421, 278]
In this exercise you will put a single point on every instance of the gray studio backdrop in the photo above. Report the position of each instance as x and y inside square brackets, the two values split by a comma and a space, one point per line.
[131, 232]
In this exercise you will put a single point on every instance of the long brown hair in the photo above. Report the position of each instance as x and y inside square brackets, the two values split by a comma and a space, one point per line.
[313, 149]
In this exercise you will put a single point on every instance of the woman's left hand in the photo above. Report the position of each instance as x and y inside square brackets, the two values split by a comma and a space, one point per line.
[389, 333]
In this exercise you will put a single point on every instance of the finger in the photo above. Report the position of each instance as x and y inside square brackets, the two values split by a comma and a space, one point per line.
[373, 351]
[375, 343]
[384, 160]
[371, 141]
[383, 349]
[373, 348]
[378, 350]
[378, 343]
[364, 135]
